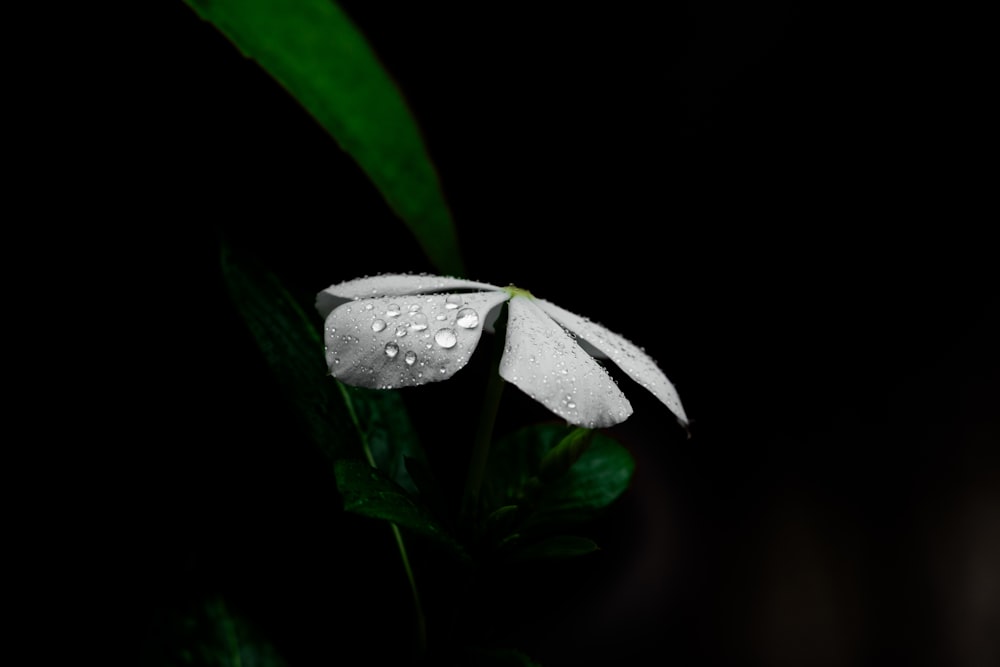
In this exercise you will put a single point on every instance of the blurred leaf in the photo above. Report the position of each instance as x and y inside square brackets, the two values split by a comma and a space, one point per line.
[292, 347]
[210, 636]
[561, 458]
[600, 474]
[552, 548]
[500, 657]
[368, 492]
[312, 49]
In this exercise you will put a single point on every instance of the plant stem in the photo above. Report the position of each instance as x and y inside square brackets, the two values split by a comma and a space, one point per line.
[421, 621]
[487, 419]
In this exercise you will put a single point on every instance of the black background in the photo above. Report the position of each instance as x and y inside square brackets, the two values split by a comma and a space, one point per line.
[785, 207]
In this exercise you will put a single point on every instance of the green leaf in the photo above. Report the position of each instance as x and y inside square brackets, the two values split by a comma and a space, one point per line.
[385, 423]
[601, 472]
[368, 492]
[315, 52]
[552, 548]
[211, 635]
[293, 349]
[499, 657]
[558, 460]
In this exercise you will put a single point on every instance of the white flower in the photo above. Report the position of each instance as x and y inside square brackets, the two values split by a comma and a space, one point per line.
[399, 330]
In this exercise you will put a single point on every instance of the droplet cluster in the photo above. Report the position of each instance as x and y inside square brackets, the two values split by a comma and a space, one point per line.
[387, 342]
[545, 362]
[628, 356]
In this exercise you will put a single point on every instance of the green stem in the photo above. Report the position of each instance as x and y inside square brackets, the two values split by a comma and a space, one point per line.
[487, 419]
[421, 621]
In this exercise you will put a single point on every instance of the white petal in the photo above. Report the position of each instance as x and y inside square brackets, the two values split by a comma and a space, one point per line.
[404, 341]
[626, 355]
[390, 284]
[542, 360]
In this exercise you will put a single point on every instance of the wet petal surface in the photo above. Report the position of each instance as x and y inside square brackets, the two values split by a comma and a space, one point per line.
[401, 341]
[545, 362]
[391, 284]
[626, 355]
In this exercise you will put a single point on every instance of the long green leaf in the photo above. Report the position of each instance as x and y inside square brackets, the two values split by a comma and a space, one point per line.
[312, 49]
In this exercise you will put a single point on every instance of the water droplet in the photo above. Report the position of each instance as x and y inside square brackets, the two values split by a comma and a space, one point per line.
[453, 301]
[467, 318]
[378, 325]
[414, 307]
[392, 310]
[418, 322]
[391, 349]
[369, 306]
[400, 332]
[445, 338]
[410, 357]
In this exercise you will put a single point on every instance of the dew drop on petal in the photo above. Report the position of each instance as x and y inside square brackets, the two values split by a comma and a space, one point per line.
[453, 301]
[467, 318]
[378, 325]
[445, 338]
[391, 349]
[410, 357]
[392, 310]
[418, 322]
[414, 307]
[400, 332]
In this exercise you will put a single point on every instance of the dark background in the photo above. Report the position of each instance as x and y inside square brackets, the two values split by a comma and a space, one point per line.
[784, 206]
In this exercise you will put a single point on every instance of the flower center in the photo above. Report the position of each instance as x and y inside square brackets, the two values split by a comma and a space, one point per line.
[517, 291]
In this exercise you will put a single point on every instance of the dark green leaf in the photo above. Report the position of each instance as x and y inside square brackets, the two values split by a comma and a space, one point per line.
[500, 657]
[368, 492]
[557, 547]
[312, 49]
[558, 460]
[293, 349]
[211, 635]
[597, 478]
[385, 423]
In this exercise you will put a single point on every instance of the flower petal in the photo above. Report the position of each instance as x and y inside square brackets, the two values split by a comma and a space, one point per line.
[390, 284]
[395, 341]
[626, 355]
[542, 360]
